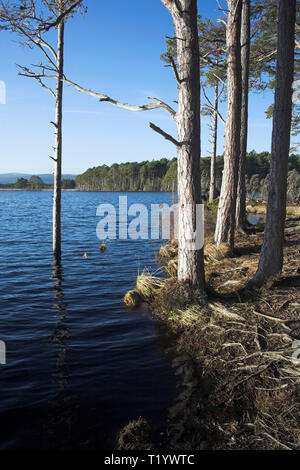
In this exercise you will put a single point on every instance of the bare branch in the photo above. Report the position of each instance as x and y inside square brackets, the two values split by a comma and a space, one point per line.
[62, 16]
[164, 134]
[163, 105]
[108, 99]
[174, 67]
[30, 74]
[42, 42]
[211, 106]
[294, 148]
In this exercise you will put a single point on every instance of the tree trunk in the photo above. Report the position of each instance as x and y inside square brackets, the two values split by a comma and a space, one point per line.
[245, 57]
[58, 145]
[212, 184]
[190, 262]
[271, 258]
[227, 206]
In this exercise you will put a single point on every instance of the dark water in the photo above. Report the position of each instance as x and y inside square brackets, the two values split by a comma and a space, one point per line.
[79, 366]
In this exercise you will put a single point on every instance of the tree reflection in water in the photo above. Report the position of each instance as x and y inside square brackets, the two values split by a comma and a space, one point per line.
[61, 407]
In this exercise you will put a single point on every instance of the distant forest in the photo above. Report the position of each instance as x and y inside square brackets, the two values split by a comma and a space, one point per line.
[161, 175]
[36, 183]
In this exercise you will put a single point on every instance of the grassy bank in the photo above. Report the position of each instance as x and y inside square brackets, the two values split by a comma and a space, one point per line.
[242, 383]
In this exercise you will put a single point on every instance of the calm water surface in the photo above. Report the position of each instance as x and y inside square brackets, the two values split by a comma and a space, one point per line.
[79, 366]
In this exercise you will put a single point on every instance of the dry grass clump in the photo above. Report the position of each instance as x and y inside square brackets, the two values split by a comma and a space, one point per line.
[215, 253]
[168, 252]
[172, 267]
[293, 211]
[278, 421]
[135, 436]
[174, 295]
[261, 209]
[148, 285]
[131, 299]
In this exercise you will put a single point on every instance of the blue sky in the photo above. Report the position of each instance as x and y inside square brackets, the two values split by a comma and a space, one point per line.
[114, 49]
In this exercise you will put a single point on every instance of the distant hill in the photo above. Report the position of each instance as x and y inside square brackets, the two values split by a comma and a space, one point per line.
[10, 178]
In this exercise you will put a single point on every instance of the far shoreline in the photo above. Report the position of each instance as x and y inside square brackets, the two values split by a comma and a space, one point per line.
[33, 190]
[82, 190]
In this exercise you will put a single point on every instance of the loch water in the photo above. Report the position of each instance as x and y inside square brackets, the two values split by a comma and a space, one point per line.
[79, 366]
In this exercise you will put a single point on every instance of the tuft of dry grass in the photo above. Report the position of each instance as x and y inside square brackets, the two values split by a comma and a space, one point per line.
[131, 299]
[148, 285]
[174, 295]
[172, 267]
[215, 253]
[293, 211]
[261, 209]
[135, 436]
[277, 421]
[168, 252]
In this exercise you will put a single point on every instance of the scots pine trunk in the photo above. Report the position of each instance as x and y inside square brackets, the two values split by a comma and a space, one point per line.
[245, 57]
[271, 258]
[190, 262]
[225, 225]
[58, 145]
[212, 184]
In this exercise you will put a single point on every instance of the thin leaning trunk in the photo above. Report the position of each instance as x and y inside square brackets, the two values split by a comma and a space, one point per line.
[58, 145]
[245, 56]
[227, 205]
[212, 184]
[271, 259]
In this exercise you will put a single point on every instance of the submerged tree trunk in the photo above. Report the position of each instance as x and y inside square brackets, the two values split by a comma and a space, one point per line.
[245, 57]
[271, 259]
[227, 205]
[212, 184]
[58, 145]
[190, 262]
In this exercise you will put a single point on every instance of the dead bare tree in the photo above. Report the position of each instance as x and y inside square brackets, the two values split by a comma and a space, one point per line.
[31, 27]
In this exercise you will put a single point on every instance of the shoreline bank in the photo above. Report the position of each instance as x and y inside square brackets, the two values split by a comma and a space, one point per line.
[241, 375]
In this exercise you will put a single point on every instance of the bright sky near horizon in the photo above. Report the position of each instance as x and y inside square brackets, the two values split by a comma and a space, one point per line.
[114, 49]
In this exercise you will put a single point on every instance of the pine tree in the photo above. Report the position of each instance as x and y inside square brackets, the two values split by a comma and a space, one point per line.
[225, 226]
[271, 258]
